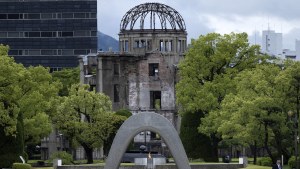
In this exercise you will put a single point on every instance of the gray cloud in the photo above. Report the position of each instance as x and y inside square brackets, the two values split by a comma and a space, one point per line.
[195, 12]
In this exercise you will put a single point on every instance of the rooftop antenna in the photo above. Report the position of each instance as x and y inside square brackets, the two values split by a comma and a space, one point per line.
[268, 25]
[255, 36]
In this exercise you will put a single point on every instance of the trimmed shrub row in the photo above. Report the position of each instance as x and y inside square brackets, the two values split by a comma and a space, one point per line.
[264, 161]
[21, 166]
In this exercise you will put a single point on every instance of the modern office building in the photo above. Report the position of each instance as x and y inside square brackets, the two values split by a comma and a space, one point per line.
[272, 43]
[50, 33]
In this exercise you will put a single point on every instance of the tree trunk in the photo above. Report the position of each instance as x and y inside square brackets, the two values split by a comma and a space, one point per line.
[215, 142]
[281, 149]
[254, 151]
[267, 146]
[88, 152]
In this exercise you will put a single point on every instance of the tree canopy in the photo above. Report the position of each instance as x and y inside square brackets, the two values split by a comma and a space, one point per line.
[26, 101]
[207, 73]
[87, 118]
[208, 68]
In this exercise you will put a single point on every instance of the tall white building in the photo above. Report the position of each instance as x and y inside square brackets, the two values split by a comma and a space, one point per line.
[297, 49]
[272, 43]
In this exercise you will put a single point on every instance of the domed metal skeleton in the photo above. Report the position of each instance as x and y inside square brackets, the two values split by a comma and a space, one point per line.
[165, 14]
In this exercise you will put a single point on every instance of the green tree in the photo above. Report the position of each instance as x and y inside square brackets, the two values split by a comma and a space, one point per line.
[255, 114]
[68, 77]
[120, 116]
[207, 71]
[87, 118]
[196, 145]
[26, 97]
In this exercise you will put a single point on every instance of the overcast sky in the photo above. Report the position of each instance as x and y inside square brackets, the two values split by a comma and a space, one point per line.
[221, 16]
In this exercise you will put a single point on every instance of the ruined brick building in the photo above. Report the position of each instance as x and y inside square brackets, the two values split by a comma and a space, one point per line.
[142, 75]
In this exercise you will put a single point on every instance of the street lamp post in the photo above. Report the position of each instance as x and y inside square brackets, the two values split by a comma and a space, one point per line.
[61, 141]
[295, 121]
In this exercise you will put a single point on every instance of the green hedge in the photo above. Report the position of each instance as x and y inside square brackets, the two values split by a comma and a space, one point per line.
[264, 161]
[21, 166]
[292, 162]
[64, 156]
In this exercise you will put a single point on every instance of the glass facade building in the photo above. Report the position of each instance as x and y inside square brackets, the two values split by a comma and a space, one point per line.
[51, 33]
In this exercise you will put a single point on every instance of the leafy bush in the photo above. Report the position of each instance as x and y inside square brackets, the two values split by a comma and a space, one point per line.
[264, 161]
[64, 156]
[124, 112]
[21, 166]
[196, 145]
[292, 162]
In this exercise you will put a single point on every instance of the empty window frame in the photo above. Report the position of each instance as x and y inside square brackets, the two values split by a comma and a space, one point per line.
[136, 43]
[116, 93]
[116, 69]
[155, 100]
[161, 45]
[153, 69]
[168, 46]
[125, 46]
[149, 45]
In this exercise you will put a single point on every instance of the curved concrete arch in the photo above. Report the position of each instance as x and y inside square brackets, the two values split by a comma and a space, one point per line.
[146, 122]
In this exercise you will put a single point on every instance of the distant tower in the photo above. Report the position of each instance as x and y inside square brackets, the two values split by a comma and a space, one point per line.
[272, 43]
[297, 49]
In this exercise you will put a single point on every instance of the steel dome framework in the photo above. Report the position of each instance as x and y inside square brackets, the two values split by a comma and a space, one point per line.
[166, 14]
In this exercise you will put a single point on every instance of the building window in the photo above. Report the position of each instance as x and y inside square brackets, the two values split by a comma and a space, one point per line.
[66, 34]
[168, 46]
[116, 93]
[34, 52]
[13, 16]
[179, 46]
[33, 16]
[3, 16]
[79, 15]
[48, 52]
[48, 34]
[13, 34]
[153, 69]
[155, 100]
[125, 45]
[149, 45]
[116, 69]
[47, 16]
[67, 15]
[137, 44]
[161, 45]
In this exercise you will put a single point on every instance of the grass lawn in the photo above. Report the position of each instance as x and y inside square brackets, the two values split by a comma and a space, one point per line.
[251, 166]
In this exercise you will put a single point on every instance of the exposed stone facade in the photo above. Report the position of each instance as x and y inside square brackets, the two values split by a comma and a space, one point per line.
[142, 76]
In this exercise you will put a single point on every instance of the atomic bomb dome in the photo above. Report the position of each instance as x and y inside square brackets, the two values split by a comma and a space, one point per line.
[152, 27]
[153, 13]
[141, 77]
